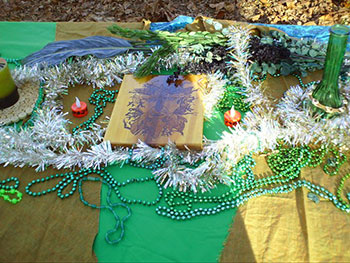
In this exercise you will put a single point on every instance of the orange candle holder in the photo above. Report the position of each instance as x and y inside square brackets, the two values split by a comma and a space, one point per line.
[79, 108]
[232, 117]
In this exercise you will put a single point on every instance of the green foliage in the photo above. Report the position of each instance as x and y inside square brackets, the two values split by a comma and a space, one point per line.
[306, 55]
[170, 42]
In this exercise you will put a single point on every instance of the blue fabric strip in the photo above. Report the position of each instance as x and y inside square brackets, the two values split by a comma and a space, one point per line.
[178, 23]
[320, 33]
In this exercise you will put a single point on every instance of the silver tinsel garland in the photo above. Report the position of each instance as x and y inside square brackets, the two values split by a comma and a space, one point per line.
[290, 120]
[49, 143]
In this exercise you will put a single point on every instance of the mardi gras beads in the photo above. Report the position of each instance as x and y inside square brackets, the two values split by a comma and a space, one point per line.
[333, 164]
[110, 206]
[7, 190]
[99, 98]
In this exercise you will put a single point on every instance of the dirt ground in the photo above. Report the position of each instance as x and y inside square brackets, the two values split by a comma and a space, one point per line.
[309, 12]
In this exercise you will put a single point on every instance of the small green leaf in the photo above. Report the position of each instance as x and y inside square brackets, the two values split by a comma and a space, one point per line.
[258, 69]
[209, 54]
[255, 68]
[272, 69]
[313, 53]
[265, 66]
[267, 41]
[285, 69]
[315, 46]
[303, 73]
[304, 50]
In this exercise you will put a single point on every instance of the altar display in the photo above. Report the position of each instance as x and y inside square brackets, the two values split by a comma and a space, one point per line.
[171, 85]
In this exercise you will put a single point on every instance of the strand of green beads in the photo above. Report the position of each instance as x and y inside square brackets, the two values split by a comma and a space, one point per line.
[307, 84]
[225, 201]
[5, 194]
[74, 177]
[246, 189]
[3, 183]
[233, 97]
[37, 106]
[110, 206]
[263, 78]
[317, 156]
[229, 203]
[340, 190]
[332, 166]
[99, 98]
[16, 61]
[7, 190]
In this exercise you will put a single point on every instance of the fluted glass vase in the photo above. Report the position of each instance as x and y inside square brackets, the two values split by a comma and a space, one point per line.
[327, 92]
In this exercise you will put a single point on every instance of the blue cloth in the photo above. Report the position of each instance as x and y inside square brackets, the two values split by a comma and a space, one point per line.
[178, 23]
[320, 33]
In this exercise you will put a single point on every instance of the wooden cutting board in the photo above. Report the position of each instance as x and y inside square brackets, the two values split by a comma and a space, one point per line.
[156, 110]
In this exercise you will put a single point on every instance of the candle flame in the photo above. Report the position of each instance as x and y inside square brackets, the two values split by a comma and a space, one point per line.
[232, 111]
[77, 102]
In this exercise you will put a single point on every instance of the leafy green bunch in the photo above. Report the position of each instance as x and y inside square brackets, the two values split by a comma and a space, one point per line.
[169, 42]
[305, 55]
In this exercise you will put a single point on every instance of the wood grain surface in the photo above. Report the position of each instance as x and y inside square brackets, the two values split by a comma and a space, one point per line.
[153, 111]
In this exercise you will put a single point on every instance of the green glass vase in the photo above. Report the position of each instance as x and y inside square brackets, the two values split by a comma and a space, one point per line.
[327, 92]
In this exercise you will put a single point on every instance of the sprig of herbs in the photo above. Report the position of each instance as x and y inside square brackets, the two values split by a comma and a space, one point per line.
[170, 43]
[305, 55]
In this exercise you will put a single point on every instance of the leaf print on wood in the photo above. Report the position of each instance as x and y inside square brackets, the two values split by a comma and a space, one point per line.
[159, 109]
[155, 110]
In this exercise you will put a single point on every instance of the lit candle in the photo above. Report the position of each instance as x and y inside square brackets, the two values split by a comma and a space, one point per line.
[8, 91]
[232, 117]
[79, 108]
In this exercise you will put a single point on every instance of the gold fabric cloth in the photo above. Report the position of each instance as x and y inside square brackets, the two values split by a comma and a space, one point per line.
[47, 228]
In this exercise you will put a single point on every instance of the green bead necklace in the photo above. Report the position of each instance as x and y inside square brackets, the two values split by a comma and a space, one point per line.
[76, 179]
[286, 165]
[302, 84]
[16, 61]
[7, 190]
[110, 206]
[333, 164]
[99, 98]
[232, 97]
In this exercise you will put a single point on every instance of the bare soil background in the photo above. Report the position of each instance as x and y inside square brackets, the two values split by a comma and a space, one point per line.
[302, 12]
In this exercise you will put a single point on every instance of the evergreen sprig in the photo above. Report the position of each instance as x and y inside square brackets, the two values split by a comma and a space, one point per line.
[170, 42]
